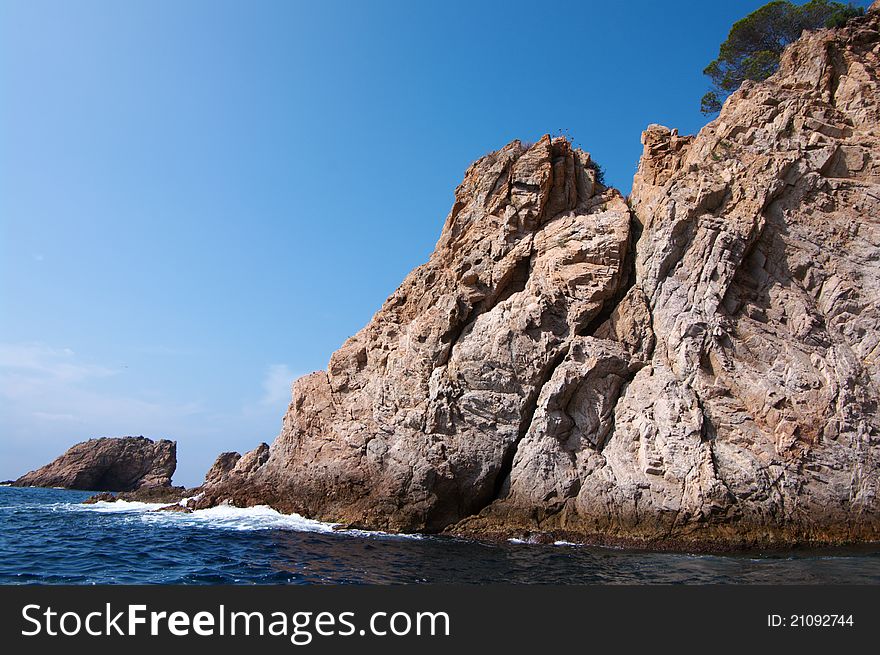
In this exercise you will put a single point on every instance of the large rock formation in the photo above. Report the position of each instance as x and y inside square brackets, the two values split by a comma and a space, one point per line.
[415, 423]
[697, 368]
[754, 323]
[109, 464]
[221, 467]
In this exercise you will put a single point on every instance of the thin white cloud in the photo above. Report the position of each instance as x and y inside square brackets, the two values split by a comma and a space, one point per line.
[51, 397]
[46, 384]
[276, 385]
[49, 416]
[31, 360]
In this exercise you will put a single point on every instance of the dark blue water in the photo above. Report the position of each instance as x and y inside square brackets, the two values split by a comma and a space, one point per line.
[47, 537]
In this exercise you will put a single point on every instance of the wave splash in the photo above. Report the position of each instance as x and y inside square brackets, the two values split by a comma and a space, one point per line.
[223, 517]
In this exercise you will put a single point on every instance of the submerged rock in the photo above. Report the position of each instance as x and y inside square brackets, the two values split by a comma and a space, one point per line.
[103, 497]
[175, 507]
[109, 464]
[697, 368]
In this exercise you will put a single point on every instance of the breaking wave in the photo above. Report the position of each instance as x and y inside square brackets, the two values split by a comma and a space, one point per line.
[49, 537]
[224, 517]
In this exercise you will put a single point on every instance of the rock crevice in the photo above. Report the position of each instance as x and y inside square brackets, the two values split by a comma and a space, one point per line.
[695, 368]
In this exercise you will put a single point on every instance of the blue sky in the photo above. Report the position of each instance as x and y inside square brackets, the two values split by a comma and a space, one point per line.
[200, 201]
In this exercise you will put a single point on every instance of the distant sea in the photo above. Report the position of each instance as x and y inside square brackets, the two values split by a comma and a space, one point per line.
[48, 537]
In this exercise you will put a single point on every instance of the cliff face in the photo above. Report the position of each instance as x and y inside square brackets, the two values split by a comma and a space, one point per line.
[224, 463]
[698, 367]
[415, 423]
[109, 464]
[753, 418]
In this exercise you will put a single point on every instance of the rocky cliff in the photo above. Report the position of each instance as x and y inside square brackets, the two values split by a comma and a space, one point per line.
[221, 467]
[696, 367]
[109, 464]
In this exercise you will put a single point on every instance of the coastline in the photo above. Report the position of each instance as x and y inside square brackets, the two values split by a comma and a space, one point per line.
[55, 540]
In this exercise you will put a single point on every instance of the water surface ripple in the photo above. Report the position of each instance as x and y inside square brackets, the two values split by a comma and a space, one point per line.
[48, 537]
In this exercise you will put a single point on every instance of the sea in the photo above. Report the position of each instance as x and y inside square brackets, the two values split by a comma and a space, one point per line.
[47, 536]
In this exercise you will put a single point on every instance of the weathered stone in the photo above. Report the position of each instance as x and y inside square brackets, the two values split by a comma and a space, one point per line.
[222, 466]
[175, 507]
[103, 497]
[109, 464]
[700, 371]
[754, 419]
[416, 421]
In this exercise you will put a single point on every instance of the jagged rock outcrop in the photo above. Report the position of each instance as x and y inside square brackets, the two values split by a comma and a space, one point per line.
[221, 467]
[109, 464]
[416, 421]
[754, 324]
[229, 468]
[698, 369]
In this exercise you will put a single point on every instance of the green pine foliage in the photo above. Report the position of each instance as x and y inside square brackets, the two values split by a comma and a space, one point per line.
[755, 43]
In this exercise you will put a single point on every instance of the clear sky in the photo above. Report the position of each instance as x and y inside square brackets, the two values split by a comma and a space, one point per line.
[200, 201]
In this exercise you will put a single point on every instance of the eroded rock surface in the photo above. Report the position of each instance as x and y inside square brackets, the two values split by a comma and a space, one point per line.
[699, 371]
[416, 421]
[109, 464]
[753, 330]
[221, 467]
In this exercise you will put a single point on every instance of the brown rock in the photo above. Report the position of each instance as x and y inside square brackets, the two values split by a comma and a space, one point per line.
[224, 463]
[415, 423]
[146, 495]
[250, 461]
[752, 416]
[109, 464]
[701, 372]
[175, 507]
[103, 497]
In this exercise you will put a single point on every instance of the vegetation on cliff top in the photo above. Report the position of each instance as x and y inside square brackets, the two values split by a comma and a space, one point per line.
[755, 43]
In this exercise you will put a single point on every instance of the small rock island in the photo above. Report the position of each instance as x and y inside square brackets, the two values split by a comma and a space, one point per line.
[108, 464]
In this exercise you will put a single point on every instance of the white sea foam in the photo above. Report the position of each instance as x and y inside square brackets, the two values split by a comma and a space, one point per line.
[184, 501]
[224, 517]
[116, 507]
[515, 540]
[227, 517]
